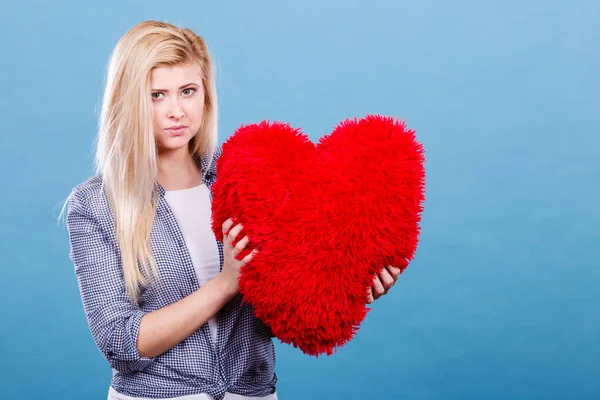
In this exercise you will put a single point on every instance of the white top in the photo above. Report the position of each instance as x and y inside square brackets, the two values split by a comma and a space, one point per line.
[192, 211]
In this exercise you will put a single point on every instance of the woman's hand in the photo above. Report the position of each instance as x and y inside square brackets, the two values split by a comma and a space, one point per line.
[382, 283]
[231, 265]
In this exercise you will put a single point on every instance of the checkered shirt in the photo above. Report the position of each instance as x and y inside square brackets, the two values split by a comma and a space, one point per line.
[241, 361]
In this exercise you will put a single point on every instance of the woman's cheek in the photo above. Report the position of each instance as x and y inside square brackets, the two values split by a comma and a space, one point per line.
[196, 108]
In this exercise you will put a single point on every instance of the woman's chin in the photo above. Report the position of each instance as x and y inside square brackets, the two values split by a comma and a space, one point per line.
[173, 144]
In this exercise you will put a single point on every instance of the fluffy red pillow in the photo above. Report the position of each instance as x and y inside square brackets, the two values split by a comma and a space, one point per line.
[327, 217]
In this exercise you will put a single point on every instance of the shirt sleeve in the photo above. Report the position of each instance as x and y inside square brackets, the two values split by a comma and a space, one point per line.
[113, 319]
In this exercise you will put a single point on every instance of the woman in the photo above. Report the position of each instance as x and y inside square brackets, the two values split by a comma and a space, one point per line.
[160, 293]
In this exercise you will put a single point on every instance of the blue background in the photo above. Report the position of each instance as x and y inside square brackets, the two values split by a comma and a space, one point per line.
[503, 298]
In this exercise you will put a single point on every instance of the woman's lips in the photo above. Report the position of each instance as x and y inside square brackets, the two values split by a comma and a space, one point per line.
[177, 130]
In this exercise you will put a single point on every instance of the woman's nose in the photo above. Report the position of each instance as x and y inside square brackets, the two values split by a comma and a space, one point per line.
[175, 111]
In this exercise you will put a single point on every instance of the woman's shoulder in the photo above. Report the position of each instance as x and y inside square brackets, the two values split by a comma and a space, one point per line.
[88, 194]
[209, 164]
[91, 185]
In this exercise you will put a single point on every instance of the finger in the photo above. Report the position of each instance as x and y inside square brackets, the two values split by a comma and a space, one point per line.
[240, 245]
[226, 226]
[378, 288]
[234, 232]
[249, 257]
[394, 271]
[370, 296]
[386, 279]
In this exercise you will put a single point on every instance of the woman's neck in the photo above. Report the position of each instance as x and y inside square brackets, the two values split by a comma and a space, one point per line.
[177, 170]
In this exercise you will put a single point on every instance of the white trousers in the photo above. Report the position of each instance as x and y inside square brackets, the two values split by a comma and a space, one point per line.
[114, 395]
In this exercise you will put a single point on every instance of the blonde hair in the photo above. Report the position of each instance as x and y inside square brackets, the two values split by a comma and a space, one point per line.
[126, 154]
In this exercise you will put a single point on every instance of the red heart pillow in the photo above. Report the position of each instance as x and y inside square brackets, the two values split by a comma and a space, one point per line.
[327, 217]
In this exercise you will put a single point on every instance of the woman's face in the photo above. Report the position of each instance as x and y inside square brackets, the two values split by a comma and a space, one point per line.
[177, 103]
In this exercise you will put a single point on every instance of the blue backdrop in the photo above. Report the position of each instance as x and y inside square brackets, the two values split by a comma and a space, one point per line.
[502, 300]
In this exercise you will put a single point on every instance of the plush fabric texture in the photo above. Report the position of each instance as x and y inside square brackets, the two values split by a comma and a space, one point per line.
[332, 215]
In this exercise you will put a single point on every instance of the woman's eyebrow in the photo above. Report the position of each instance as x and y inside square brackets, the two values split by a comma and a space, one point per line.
[181, 87]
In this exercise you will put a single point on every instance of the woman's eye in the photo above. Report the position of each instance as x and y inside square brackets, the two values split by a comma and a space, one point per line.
[156, 95]
[188, 91]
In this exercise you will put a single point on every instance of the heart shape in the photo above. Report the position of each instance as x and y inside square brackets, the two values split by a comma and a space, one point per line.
[326, 218]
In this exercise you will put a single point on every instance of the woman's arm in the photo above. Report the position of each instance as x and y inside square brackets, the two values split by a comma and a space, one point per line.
[162, 329]
[115, 322]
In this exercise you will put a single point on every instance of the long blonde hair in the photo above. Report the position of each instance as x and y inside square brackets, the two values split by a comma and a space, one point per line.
[126, 154]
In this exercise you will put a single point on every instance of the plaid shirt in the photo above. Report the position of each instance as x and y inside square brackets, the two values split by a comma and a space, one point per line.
[241, 361]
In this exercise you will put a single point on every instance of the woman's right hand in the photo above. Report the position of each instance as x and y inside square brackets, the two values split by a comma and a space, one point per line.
[231, 265]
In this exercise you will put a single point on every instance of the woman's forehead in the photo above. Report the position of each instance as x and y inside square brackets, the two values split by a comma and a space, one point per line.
[168, 77]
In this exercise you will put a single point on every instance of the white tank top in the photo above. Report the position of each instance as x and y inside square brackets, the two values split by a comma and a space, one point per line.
[192, 211]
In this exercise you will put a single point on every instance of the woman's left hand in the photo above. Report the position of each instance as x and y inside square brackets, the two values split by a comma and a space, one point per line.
[382, 283]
